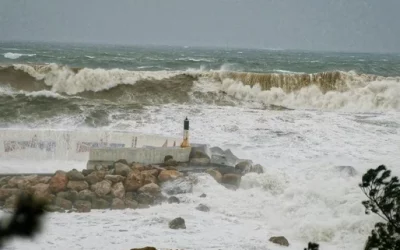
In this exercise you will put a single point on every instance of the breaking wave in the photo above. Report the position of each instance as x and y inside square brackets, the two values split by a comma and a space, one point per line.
[324, 90]
[11, 55]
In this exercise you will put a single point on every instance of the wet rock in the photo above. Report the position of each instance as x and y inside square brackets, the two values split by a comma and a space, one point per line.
[99, 203]
[53, 208]
[131, 204]
[144, 198]
[203, 208]
[117, 203]
[257, 169]
[178, 186]
[200, 151]
[41, 191]
[77, 185]
[71, 195]
[83, 206]
[244, 166]
[232, 179]
[8, 192]
[63, 203]
[203, 195]
[95, 177]
[133, 181]
[122, 169]
[215, 174]
[58, 182]
[167, 175]
[118, 190]
[115, 178]
[123, 161]
[177, 223]
[173, 199]
[11, 202]
[4, 180]
[148, 177]
[137, 166]
[280, 240]
[102, 188]
[86, 195]
[75, 175]
[44, 179]
[171, 163]
[144, 248]
[151, 188]
[168, 157]
[86, 172]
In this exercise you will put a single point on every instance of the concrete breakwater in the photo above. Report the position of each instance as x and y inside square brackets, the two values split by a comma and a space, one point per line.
[128, 184]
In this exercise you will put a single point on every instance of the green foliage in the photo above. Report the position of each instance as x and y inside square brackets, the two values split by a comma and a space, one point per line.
[383, 195]
[25, 221]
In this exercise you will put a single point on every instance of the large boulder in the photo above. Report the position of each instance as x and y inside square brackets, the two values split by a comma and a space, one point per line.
[11, 202]
[117, 203]
[173, 199]
[118, 190]
[122, 169]
[203, 208]
[167, 175]
[99, 203]
[215, 174]
[200, 154]
[177, 223]
[41, 191]
[71, 195]
[151, 188]
[223, 157]
[63, 203]
[131, 204]
[102, 188]
[8, 192]
[231, 179]
[77, 185]
[83, 206]
[133, 181]
[86, 195]
[75, 175]
[280, 240]
[95, 176]
[58, 182]
[244, 166]
[257, 169]
[178, 186]
[115, 178]
[148, 176]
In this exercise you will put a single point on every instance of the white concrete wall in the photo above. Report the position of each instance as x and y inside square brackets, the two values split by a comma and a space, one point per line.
[71, 144]
[141, 155]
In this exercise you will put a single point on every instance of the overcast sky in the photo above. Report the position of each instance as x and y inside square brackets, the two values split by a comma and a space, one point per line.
[340, 25]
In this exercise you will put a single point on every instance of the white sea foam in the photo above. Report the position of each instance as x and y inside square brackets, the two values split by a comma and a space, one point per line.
[11, 55]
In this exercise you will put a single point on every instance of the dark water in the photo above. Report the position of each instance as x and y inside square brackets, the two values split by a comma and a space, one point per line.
[95, 85]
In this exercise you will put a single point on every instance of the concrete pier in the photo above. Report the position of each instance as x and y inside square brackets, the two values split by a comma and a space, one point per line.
[150, 155]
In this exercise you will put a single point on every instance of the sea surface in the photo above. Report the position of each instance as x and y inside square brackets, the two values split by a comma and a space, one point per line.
[299, 114]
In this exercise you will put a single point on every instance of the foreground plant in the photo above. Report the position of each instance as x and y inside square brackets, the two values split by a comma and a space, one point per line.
[26, 220]
[383, 193]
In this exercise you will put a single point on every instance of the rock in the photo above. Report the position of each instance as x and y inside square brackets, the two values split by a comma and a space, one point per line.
[203, 208]
[123, 161]
[347, 170]
[221, 157]
[8, 192]
[145, 198]
[167, 175]
[44, 179]
[133, 181]
[200, 151]
[53, 208]
[171, 163]
[58, 182]
[244, 166]
[63, 203]
[131, 204]
[83, 206]
[118, 190]
[115, 178]
[232, 179]
[151, 188]
[148, 177]
[143, 206]
[18, 182]
[177, 223]
[257, 169]
[137, 166]
[4, 180]
[117, 203]
[98, 203]
[11, 202]
[95, 177]
[280, 240]
[153, 172]
[203, 195]
[78, 185]
[75, 175]
[70, 195]
[86, 195]
[178, 186]
[86, 172]
[41, 190]
[173, 199]
[102, 188]
[168, 157]
[200, 161]
[215, 174]
[130, 195]
[122, 169]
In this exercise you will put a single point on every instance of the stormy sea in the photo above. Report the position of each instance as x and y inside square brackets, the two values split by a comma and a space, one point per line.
[299, 114]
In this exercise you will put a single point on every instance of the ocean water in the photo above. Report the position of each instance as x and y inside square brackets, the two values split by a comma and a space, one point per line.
[299, 114]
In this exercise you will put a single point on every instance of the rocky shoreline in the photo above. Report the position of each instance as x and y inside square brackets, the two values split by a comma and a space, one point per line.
[122, 185]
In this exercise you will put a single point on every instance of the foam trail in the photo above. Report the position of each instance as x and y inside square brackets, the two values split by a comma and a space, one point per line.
[11, 55]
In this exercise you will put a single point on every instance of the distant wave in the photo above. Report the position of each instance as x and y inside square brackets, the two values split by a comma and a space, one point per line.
[11, 55]
[324, 90]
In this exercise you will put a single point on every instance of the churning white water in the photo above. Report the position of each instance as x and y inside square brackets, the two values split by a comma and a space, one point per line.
[302, 195]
